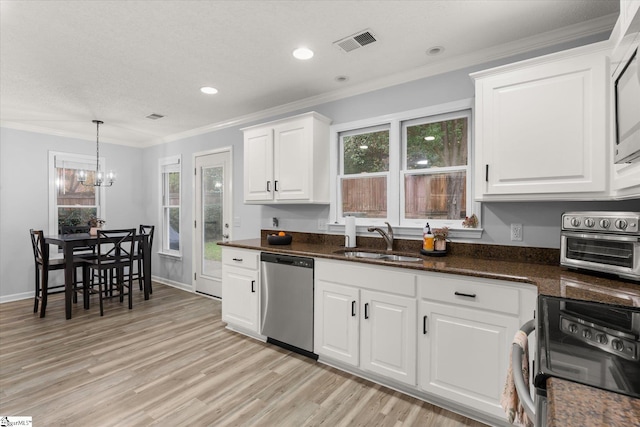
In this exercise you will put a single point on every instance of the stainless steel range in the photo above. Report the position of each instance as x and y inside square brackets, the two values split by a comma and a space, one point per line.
[606, 242]
[589, 343]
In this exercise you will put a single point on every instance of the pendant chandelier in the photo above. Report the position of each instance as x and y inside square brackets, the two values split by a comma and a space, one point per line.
[100, 180]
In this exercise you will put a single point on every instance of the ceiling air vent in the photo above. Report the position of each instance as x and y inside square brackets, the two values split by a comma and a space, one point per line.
[355, 41]
[155, 116]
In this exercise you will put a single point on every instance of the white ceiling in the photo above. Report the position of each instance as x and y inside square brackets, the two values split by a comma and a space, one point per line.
[65, 63]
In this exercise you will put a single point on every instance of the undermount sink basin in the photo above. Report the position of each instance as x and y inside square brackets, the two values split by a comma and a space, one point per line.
[380, 256]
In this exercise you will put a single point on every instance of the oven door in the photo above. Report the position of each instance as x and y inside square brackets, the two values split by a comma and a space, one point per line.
[605, 253]
[566, 351]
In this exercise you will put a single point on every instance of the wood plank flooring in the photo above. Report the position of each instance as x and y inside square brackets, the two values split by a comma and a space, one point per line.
[169, 361]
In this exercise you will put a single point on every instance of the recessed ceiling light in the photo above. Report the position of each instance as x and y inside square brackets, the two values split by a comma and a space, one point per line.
[436, 50]
[429, 138]
[209, 90]
[341, 79]
[303, 53]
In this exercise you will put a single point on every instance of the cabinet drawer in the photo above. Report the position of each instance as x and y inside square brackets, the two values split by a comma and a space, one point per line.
[470, 292]
[240, 258]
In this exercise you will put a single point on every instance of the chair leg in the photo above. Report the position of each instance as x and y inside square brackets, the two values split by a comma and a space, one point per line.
[100, 290]
[44, 289]
[37, 298]
[130, 289]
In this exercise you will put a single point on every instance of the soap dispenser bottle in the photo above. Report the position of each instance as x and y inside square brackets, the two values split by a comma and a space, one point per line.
[427, 239]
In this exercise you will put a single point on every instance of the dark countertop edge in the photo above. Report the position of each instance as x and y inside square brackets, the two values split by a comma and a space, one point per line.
[552, 280]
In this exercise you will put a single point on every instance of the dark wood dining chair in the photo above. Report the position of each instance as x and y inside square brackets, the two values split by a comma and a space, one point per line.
[139, 255]
[116, 249]
[42, 267]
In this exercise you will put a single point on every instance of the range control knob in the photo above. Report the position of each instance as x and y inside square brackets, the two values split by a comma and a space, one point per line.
[605, 223]
[589, 222]
[586, 333]
[617, 345]
[621, 224]
[602, 338]
[575, 221]
[573, 328]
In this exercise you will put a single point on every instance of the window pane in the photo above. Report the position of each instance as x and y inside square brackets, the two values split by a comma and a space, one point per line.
[438, 196]
[75, 216]
[437, 144]
[212, 201]
[71, 192]
[365, 197]
[174, 228]
[171, 189]
[368, 152]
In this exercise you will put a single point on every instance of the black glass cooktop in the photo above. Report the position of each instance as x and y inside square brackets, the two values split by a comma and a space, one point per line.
[589, 343]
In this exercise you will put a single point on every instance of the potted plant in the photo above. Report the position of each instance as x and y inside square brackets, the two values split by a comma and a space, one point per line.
[440, 238]
[96, 224]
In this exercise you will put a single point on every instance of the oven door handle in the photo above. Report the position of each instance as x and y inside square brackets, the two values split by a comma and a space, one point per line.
[516, 361]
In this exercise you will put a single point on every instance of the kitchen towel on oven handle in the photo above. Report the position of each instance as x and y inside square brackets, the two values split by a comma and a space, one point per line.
[519, 408]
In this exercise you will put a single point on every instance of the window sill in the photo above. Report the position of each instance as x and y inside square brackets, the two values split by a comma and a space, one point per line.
[460, 234]
[171, 256]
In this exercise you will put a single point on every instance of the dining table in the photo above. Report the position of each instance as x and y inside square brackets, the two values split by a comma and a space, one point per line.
[70, 241]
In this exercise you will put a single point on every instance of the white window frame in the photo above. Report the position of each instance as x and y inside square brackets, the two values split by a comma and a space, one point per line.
[435, 223]
[341, 174]
[88, 163]
[407, 228]
[169, 164]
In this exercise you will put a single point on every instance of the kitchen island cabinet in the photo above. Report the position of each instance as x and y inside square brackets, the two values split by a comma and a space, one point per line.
[287, 161]
[541, 128]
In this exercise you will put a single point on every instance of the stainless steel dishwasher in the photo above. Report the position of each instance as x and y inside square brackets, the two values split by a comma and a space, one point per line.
[286, 301]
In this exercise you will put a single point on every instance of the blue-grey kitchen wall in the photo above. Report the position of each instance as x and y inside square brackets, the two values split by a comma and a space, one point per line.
[24, 198]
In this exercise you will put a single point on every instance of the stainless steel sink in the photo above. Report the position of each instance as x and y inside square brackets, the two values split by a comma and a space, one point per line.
[380, 256]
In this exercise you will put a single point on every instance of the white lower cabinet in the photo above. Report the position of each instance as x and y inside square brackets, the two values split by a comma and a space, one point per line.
[388, 335]
[358, 324]
[464, 354]
[336, 320]
[467, 326]
[241, 289]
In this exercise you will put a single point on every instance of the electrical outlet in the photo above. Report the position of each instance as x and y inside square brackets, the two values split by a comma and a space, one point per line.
[516, 232]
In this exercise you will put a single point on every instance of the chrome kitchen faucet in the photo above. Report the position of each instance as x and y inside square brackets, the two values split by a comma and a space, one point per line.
[386, 235]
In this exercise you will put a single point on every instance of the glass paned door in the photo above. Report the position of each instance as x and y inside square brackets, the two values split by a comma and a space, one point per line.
[213, 215]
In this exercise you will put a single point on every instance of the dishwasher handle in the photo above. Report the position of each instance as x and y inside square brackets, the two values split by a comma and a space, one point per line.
[516, 361]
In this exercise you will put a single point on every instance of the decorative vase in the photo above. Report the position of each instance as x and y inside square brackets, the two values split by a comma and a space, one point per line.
[94, 231]
[440, 245]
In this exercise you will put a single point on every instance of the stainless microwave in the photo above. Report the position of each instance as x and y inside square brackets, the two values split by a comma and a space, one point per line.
[627, 110]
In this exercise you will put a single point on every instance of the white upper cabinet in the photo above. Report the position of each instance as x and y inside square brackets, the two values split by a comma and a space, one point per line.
[287, 161]
[541, 127]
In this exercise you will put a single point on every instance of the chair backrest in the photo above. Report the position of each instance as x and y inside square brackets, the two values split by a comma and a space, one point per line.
[40, 248]
[148, 230]
[116, 245]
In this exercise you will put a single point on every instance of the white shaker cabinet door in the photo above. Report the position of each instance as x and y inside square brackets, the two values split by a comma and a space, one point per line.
[541, 129]
[240, 297]
[258, 164]
[292, 159]
[388, 335]
[337, 322]
[463, 354]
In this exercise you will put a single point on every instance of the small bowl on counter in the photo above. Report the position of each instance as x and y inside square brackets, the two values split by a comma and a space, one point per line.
[275, 239]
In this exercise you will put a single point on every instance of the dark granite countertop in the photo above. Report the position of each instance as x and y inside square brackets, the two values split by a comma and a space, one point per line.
[570, 404]
[576, 405]
[536, 266]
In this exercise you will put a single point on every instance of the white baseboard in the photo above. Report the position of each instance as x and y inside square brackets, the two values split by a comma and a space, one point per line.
[183, 286]
[16, 297]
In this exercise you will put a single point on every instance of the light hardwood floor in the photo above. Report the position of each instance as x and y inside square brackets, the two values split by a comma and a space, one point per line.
[169, 361]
